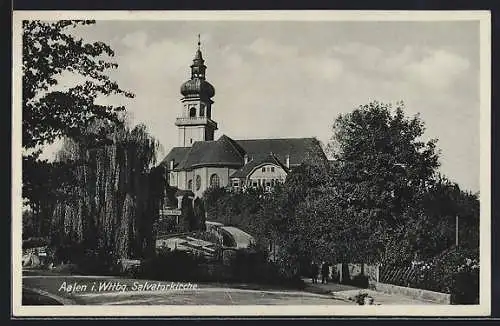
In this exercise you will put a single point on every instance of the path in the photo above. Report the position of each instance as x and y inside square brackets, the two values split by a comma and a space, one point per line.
[98, 290]
[348, 292]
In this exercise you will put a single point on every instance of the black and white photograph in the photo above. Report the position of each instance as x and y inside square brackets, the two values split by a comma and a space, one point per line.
[251, 163]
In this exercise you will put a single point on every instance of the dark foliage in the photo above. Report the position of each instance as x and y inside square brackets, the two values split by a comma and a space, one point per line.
[360, 281]
[49, 50]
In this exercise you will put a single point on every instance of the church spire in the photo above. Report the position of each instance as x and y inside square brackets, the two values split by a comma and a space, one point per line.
[197, 85]
[198, 67]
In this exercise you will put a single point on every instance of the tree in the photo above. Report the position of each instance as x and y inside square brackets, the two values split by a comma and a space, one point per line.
[213, 202]
[188, 217]
[29, 227]
[359, 206]
[433, 231]
[44, 183]
[383, 167]
[116, 196]
[199, 213]
[49, 50]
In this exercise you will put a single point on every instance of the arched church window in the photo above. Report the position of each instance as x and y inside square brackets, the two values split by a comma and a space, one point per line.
[190, 184]
[192, 112]
[214, 180]
[198, 182]
[202, 110]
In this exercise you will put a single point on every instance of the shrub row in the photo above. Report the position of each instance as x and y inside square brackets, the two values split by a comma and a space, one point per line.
[244, 266]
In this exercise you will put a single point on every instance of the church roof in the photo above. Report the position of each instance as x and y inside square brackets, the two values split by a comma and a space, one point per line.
[228, 152]
[296, 148]
[222, 152]
[177, 154]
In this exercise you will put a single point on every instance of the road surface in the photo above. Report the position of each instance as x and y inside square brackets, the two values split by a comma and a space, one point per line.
[97, 290]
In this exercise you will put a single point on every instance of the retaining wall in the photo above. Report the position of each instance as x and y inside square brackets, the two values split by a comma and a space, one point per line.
[417, 294]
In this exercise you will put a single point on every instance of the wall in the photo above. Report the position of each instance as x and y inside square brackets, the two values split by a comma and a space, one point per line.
[373, 273]
[202, 172]
[418, 294]
[257, 174]
[223, 174]
[196, 133]
[181, 179]
[205, 174]
[173, 179]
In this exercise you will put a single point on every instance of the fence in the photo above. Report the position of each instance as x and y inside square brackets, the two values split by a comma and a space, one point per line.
[420, 276]
[403, 276]
[400, 280]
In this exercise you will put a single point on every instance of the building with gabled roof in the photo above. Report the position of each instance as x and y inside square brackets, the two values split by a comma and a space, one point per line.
[200, 162]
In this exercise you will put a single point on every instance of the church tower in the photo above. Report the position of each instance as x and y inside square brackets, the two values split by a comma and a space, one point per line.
[195, 123]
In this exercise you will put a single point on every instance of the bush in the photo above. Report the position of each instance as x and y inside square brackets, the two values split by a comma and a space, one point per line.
[245, 266]
[34, 242]
[172, 265]
[360, 280]
[66, 269]
[363, 298]
[97, 262]
[87, 261]
[252, 266]
[466, 285]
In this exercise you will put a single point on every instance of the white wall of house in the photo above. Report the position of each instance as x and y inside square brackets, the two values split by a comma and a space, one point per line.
[181, 180]
[267, 174]
[173, 178]
[222, 173]
[205, 173]
[271, 174]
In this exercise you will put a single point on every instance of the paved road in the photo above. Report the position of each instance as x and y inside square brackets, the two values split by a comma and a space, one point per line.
[97, 290]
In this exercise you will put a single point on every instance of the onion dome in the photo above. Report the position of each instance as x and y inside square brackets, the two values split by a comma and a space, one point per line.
[197, 85]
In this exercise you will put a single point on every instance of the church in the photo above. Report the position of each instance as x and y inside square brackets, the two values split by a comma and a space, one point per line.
[200, 162]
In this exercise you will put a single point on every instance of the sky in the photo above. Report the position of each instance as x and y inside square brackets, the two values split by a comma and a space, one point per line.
[276, 79]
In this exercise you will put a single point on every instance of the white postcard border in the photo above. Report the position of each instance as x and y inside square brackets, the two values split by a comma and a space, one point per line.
[483, 309]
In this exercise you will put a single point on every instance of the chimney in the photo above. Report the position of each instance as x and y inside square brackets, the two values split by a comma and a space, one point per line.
[288, 161]
[246, 158]
[171, 165]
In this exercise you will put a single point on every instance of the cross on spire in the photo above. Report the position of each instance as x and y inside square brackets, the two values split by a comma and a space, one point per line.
[199, 42]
